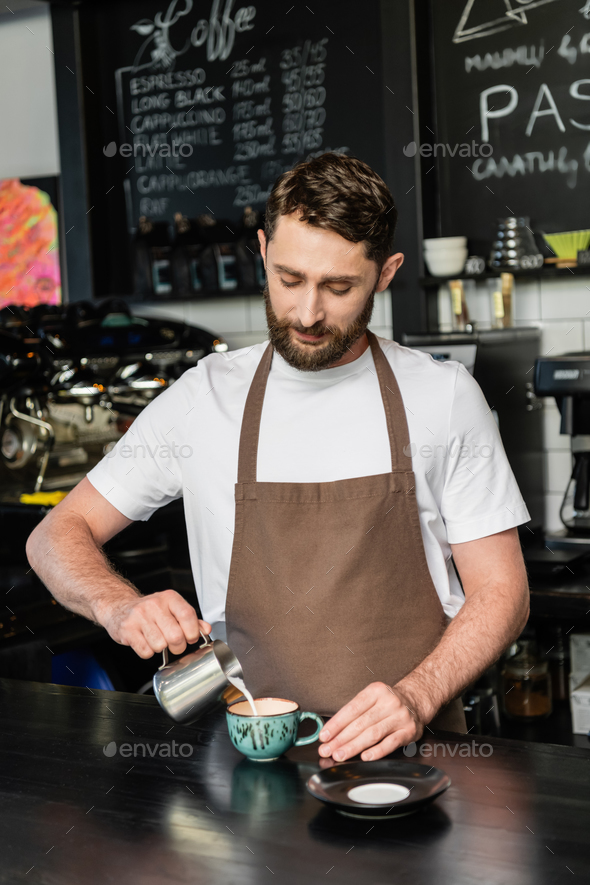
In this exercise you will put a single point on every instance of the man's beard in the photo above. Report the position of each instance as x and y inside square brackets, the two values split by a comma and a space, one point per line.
[312, 357]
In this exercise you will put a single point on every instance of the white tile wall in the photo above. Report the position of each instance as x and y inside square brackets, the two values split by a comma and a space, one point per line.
[257, 314]
[478, 303]
[554, 440]
[382, 321]
[223, 316]
[561, 336]
[565, 298]
[527, 301]
[558, 468]
[553, 501]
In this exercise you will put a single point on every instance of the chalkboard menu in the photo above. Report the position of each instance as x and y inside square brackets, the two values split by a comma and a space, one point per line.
[512, 82]
[196, 106]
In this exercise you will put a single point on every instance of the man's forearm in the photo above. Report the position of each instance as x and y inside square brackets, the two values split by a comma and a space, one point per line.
[65, 556]
[487, 623]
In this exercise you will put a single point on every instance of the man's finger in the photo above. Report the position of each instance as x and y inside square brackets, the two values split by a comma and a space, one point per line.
[368, 738]
[143, 651]
[153, 636]
[139, 645]
[172, 631]
[387, 735]
[186, 616]
[362, 723]
[363, 701]
[386, 746]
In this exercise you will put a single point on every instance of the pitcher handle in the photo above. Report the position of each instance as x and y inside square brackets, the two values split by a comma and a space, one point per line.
[309, 740]
[165, 658]
[207, 638]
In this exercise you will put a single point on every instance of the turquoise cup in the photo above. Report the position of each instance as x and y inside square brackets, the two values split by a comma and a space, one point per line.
[265, 737]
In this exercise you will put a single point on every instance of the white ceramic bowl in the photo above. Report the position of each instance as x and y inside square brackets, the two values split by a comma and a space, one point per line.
[446, 250]
[446, 264]
[445, 243]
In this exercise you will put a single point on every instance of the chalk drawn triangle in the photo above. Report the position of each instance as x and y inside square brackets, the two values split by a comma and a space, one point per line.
[472, 26]
[517, 15]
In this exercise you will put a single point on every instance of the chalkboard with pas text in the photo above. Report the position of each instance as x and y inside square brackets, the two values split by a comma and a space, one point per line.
[513, 114]
[196, 106]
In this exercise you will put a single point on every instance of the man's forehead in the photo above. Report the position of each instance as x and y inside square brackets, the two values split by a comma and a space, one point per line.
[296, 242]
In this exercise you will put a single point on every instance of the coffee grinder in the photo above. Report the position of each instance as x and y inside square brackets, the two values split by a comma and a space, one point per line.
[567, 378]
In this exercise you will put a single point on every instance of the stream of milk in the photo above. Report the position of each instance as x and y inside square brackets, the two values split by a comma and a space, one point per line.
[239, 683]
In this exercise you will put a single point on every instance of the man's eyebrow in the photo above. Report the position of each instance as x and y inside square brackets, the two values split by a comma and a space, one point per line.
[335, 278]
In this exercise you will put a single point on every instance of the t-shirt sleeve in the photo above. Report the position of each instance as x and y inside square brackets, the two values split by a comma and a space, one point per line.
[143, 471]
[480, 496]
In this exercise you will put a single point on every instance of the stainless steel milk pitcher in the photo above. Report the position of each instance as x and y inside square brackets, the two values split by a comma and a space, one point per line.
[195, 684]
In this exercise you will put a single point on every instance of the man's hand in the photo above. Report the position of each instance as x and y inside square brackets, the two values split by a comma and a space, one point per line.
[151, 623]
[380, 719]
[65, 550]
[374, 723]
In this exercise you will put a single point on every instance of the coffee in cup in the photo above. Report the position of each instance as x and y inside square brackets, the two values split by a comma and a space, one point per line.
[272, 732]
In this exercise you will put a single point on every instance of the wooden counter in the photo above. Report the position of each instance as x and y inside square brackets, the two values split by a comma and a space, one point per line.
[70, 814]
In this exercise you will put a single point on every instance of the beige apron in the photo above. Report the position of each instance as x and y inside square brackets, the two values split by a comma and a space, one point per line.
[329, 588]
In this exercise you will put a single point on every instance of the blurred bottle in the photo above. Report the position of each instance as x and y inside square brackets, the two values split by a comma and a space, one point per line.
[218, 259]
[501, 301]
[459, 306]
[151, 250]
[480, 703]
[526, 684]
[559, 665]
[187, 277]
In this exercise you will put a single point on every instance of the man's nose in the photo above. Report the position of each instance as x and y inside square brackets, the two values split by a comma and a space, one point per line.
[309, 307]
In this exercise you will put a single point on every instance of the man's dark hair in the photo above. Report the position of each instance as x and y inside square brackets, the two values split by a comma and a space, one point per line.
[338, 193]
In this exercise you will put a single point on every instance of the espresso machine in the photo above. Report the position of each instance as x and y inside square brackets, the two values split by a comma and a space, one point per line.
[73, 379]
[567, 379]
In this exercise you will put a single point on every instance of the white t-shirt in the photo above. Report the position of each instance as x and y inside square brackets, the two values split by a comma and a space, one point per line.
[316, 427]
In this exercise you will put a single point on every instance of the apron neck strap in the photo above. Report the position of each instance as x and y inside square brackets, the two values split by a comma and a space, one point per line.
[395, 412]
[397, 425]
[248, 451]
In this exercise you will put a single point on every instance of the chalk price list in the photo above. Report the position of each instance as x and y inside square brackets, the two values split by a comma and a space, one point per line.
[303, 71]
[265, 139]
[253, 127]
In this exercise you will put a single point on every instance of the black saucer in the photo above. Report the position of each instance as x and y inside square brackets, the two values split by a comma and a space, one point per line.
[332, 786]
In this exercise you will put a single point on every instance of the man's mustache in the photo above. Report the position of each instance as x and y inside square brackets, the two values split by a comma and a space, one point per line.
[312, 330]
[316, 329]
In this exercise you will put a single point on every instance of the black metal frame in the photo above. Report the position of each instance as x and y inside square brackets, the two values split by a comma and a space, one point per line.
[74, 230]
[399, 30]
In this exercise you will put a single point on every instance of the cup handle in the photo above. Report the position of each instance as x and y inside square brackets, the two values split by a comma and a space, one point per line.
[309, 740]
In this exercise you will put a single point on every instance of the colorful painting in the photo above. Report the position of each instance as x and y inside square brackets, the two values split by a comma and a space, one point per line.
[29, 257]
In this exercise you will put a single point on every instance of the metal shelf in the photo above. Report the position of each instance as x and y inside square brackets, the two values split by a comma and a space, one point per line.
[549, 273]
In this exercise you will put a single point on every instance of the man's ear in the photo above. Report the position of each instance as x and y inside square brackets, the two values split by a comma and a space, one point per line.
[389, 270]
[262, 241]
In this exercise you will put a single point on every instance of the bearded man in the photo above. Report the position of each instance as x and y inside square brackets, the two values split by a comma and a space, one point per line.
[348, 539]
